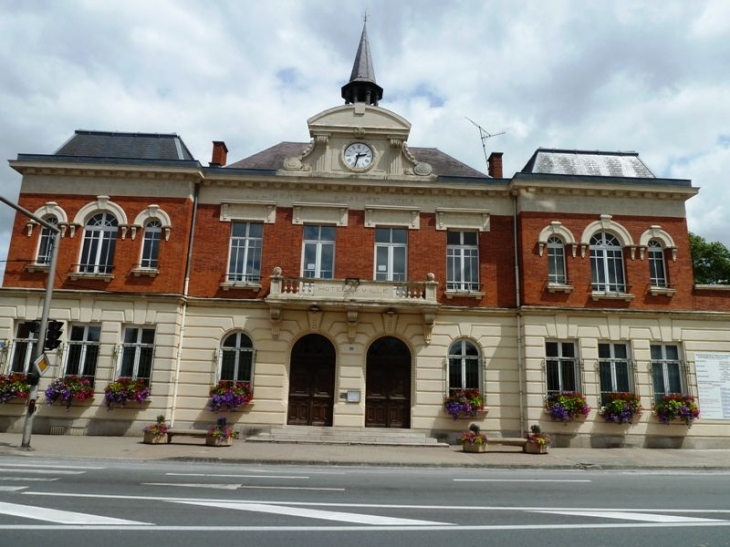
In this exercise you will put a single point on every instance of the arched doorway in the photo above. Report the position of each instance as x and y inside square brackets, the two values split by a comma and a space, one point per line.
[388, 384]
[311, 382]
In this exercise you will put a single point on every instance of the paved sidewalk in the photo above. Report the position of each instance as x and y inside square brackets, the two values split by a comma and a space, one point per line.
[132, 448]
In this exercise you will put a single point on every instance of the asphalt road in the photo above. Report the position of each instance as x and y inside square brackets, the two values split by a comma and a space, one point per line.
[102, 502]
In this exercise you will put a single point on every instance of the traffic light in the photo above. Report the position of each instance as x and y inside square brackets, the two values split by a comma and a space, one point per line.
[53, 334]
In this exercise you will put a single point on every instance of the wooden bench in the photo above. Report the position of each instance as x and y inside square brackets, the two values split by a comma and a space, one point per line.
[186, 433]
[508, 441]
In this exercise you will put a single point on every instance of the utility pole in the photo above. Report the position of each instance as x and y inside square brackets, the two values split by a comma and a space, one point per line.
[43, 329]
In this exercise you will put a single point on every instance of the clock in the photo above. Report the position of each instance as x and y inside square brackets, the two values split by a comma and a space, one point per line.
[358, 155]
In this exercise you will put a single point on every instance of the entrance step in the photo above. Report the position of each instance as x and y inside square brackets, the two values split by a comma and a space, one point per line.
[339, 435]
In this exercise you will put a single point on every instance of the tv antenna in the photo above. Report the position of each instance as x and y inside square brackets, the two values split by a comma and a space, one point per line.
[484, 135]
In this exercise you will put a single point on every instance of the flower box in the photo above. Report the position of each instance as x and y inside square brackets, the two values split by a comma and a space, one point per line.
[228, 395]
[677, 407]
[567, 406]
[212, 440]
[464, 403]
[68, 390]
[13, 386]
[125, 389]
[476, 448]
[621, 408]
[155, 438]
[532, 448]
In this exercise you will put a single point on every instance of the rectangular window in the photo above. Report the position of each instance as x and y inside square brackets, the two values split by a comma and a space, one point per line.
[657, 270]
[151, 244]
[556, 261]
[244, 265]
[561, 367]
[464, 366]
[614, 370]
[137, 351]
[391, 254]
[25, 341]
[666, 370]
[83, 351]
[319, 252]
[462, 261]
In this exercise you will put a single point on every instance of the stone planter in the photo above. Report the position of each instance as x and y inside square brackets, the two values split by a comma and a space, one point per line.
[469, 447]
[212, 440]
[532, 448]
[154, 438]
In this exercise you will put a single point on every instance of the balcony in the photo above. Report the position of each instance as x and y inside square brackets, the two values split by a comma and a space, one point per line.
[351, 296]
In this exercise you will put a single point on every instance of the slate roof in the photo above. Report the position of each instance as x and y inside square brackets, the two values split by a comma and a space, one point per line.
[273, 158]
[136, 146]
[586, 163]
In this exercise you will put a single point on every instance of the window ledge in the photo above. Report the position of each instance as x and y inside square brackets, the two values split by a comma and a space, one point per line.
[81, 275]
[559, 287]
[464, 294]
[228, 285]
[36, 268]
[149, 272]
[596, 295]
[659, 291]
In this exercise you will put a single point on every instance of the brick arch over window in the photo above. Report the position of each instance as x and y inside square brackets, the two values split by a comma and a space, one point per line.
[51, 208]
[606, 224]
[102, 204]
[656, 232]
[152, 212]
[555, 228]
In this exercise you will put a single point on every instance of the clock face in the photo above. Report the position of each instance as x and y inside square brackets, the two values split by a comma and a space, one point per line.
[358, 156]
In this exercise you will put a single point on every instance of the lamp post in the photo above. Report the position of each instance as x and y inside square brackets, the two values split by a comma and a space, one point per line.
[43, 329]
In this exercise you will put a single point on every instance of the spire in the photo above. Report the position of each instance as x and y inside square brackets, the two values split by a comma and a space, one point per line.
[362, 87]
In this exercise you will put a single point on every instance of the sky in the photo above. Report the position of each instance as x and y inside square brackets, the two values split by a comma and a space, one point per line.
[626, 75]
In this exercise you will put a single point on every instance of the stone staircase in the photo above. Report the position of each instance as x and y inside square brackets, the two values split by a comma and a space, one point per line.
[346, 436]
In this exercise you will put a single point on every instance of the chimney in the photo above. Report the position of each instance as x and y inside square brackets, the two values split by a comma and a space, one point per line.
[220, 152]
[495, 165]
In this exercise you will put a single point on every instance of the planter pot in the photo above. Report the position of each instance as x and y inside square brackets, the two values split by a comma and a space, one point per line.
[210, 440]
[468, 447]
[153, 438]
[532, 448]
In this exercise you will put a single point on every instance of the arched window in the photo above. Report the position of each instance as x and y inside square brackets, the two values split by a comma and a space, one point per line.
[464, 370]
[556, 261]
[607, 264]
[45, 244]
[236, 358]
[151, 244]
[100, 236]
[657, 264]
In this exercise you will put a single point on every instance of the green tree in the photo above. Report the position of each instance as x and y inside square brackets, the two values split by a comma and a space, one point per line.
[710, 261]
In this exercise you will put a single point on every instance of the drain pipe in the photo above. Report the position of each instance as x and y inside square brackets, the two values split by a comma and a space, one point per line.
[183, 317]
[518, 317]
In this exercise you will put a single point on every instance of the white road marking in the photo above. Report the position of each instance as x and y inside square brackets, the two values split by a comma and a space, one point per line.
[12, 488]
[61, 517]
[314, 488]
[234, 476]
[628, 515]
[522, 480]
[31, 479]
[338, 516]
[194, 485]
[43, 471]
[50, 466]
[227, 486]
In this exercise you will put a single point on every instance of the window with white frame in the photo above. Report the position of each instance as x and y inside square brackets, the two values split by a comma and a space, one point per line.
[318, 257]
[607, 264]
[464, 369]
[100, 237]
[657, 264]
[556, 261]
[236, 358]
[561, 367]
[136, 353]
[666, 370]
[244, 265]
[462, 261]
[45, 242]
[23, 345]
[151, 244]
[614, 370]
[391, 254]
[83, 351]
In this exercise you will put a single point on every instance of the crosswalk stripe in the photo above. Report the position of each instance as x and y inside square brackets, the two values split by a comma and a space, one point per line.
[60, 517]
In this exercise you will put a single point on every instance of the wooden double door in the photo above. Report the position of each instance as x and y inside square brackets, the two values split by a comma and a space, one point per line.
[312, 382]
[388, 384]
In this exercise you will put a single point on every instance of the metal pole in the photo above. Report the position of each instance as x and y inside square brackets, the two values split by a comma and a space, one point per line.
[43, 329]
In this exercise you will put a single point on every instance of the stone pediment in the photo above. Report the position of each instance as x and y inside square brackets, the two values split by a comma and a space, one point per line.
[359, 119]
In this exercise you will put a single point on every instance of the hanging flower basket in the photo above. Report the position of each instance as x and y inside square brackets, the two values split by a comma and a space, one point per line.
[14, 385]
[464, 403]
[621, 408]
[567, 406]
[68, 389]
[228, 395]
[123, 390]
[677, 407]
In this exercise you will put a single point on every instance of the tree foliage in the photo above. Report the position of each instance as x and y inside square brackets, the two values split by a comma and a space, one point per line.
[710, 261]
